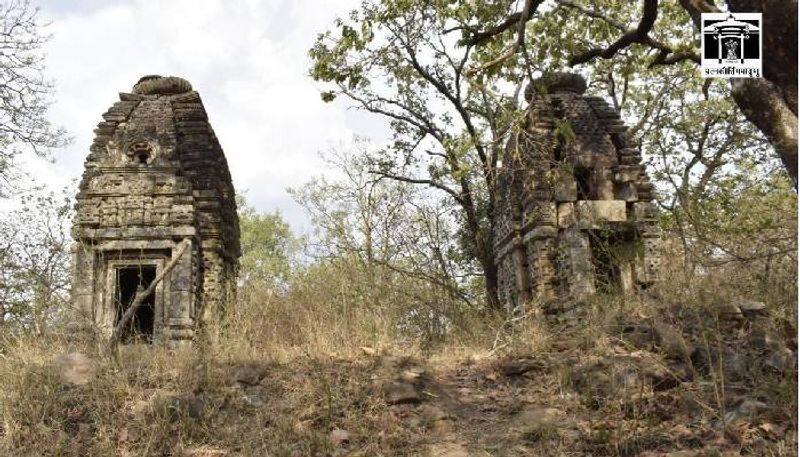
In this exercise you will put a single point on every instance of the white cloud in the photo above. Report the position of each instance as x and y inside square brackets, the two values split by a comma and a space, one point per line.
[248, 59]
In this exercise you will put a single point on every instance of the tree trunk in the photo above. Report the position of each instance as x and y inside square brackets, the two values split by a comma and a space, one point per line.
[762, 104]
[490, 278]
[485, 254]
[770, 103]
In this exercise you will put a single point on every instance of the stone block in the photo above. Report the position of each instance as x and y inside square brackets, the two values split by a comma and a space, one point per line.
[604, 190]
[649, 265]
[605, 161]
[178, 334]
[627, 173]
[181, 280]
[626, 280]
[645, 211]
[575, 267]
[181, 303]
[540, 232]
[626, 191]
[579, 160]
[602, 185]
[180, 322]
[540, 213]
[565, 189]
[630, 160]
[566, 214]
[592, 214]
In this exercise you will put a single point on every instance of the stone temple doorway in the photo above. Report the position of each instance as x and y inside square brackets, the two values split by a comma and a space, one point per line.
[612, 255]
[130, 280]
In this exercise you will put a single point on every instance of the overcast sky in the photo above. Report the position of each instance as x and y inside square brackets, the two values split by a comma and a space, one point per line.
[247, 58]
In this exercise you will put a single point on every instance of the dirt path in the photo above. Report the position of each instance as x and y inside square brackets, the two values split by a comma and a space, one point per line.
[489, 413]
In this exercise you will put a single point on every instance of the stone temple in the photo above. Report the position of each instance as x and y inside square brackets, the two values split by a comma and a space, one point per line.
[574, 205]
[155, 178]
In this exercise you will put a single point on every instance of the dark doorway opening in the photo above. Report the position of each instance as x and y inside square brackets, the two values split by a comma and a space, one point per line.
[582, 179]
[131, 280]
[606, 262]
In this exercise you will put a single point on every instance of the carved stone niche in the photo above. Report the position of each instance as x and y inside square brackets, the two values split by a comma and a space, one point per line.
[140, 152]
[156, 180]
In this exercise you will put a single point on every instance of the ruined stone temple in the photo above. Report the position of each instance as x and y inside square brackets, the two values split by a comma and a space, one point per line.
[155, 179]
[574, 205]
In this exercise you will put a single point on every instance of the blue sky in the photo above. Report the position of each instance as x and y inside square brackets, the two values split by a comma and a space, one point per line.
[247, 58]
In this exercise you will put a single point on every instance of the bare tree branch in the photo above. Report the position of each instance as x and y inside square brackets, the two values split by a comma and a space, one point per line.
[428, 182]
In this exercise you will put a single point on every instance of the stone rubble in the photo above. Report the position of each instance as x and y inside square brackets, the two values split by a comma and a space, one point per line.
[574, 204]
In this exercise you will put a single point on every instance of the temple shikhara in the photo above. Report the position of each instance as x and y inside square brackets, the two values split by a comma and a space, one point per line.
[574, 205]
[155, 179]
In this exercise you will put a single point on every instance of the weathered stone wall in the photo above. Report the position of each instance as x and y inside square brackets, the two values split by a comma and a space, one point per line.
[156, 175]
[574, 202]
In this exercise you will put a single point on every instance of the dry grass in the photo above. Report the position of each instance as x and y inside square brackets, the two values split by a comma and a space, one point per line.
[318, 378]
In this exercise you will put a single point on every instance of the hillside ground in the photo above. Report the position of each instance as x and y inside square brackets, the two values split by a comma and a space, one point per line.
[630, 376]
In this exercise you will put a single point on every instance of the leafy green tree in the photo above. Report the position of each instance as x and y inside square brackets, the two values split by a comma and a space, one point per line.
[268, 248]
[397, 59]
[667, 32]
[447, 76]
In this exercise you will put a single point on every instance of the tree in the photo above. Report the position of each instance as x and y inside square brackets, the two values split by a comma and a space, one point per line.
[34, 261]
[770, 103]
[268, 248]
[387, 227]
[24, 91]
[396, 59]
[449, 85]
[726, 199]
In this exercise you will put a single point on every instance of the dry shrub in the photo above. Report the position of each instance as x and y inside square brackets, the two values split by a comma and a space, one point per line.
[338, 307]
[43, 415]
[308, 335]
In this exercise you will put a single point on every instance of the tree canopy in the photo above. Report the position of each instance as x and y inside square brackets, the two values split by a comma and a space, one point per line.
[448, 78]
[25, 92]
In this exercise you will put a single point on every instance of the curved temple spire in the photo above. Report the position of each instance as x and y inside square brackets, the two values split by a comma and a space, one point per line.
[155, 175]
